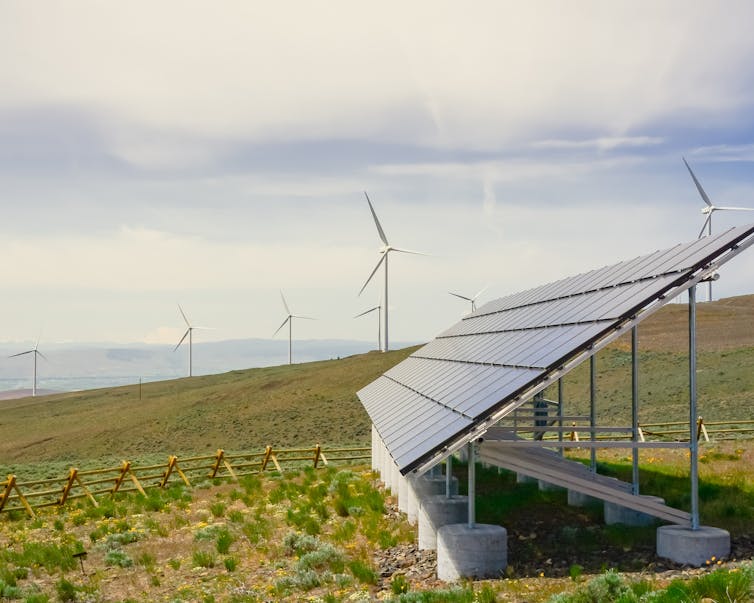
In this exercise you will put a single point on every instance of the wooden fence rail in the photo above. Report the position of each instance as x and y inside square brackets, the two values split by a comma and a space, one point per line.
[126, 477]
[706, 431]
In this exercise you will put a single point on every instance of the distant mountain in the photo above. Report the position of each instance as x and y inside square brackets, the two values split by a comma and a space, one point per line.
[73, 367]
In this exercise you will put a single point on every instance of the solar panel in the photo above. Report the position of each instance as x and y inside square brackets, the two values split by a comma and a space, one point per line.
[480, 366]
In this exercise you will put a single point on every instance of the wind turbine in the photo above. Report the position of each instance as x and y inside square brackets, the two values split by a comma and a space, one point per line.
[708, 210]
[470, 299]
[289, 319]
[379, 322]
[384, 252]
[36, 353]
[189, 333]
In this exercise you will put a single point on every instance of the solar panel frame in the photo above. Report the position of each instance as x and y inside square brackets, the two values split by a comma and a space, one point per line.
[478, 367]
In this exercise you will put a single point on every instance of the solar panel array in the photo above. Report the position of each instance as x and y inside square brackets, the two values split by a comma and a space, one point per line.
[473, 369]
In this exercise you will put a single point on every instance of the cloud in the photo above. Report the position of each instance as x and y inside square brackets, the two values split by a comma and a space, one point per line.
[475, 79]
[724, 153]
[600, 144]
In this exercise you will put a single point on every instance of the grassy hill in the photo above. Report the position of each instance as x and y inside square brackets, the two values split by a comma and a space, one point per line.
[316, 402]
[241, 410]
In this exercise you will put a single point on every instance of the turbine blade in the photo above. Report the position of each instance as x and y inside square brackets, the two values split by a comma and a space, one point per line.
[304, 317]
[482, 290]
[182, 338]
[704, 226]
[698, 186]
[377, 222]
[285, 305]
[22, 353]
[287, 318]
[188, 324]
[408, 251]
[367, 311]
[461, 296]
[736, 208]
[42, 355]
[384, 255]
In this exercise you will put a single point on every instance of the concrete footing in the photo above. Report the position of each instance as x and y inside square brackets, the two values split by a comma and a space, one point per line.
[402, 494]
[615, 513]
[522, 478]
[579, 499]
[692, 547]
[437, 511]
[548, 487]
[424, 486]
[471, 552]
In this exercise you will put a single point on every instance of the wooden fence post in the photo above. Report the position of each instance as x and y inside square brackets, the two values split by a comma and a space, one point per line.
[216, 465]
[10, 485]
[173, 465]
[73, 476]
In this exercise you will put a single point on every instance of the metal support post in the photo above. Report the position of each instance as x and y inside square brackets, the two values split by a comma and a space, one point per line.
[635, 409]
[472, 484]
[560, 414]
[448, 474]
[593, 411]
[693, 443]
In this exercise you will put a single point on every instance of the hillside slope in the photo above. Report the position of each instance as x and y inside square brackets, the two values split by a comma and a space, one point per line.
[316, 402]
[240, 410]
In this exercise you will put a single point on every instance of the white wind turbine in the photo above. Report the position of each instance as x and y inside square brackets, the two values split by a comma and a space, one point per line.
[190, 334]
[36, 353]
[289, 319]
[708, 210]
[471, 299]
[379, 322]
[384, 251]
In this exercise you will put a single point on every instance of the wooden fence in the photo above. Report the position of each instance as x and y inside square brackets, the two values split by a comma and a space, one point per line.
[127, 477]
[576, 428]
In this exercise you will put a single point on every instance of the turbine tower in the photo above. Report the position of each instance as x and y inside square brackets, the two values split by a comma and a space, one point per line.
[289, 319]
[384, 252]
[36, 353]
[190, 334]
[379, 322]
[708, 210]
[471, 299]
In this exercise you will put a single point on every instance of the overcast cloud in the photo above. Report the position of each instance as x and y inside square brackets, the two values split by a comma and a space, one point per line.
[213, 153]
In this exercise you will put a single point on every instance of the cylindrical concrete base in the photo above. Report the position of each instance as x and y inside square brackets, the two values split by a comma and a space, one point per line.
[615, 513]
[692, 547]
[548, 487]
[521, 478]
[437, 511]
[402, 494]
[424, 486]
[478, 552]
[579, 499]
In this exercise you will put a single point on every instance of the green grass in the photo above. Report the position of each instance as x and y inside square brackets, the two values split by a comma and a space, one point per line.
[284, 406]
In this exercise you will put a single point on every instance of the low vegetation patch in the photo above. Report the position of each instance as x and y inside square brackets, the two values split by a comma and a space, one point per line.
[332, 535]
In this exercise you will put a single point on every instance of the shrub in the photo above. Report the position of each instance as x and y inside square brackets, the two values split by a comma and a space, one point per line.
[399, 584]
[119, 558]
[224, 540]
[203, 558]
[66, 590]
[363, 572]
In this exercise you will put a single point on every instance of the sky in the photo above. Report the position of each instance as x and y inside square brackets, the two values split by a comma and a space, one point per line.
[214, 153]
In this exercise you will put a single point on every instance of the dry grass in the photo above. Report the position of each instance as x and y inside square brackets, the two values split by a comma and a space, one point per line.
[241, 410]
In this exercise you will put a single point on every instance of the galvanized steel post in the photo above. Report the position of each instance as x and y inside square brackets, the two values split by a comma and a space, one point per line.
[693, 443]
[592, 411]
[561, 451]
[635, 408]
[472, 484]
[448, 474]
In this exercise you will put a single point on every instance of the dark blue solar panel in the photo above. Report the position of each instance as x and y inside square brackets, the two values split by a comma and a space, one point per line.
[480, 364]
